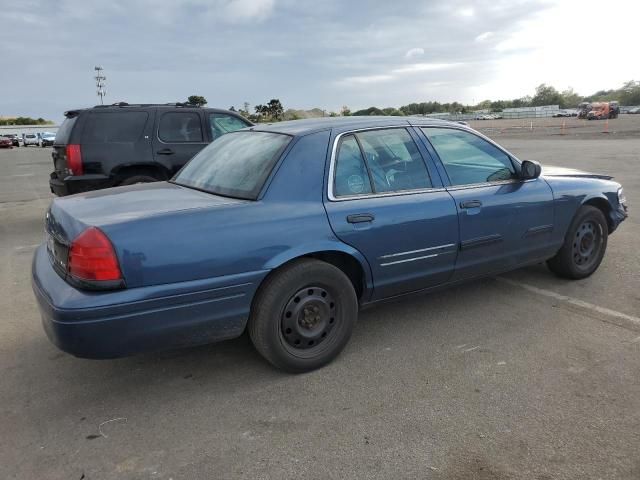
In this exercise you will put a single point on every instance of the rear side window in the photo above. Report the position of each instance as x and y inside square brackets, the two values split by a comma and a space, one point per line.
[114, 127]
[64, 132]
[379, 161]
[180, 127]
[222, 123]
[394, 162]
[351, 173]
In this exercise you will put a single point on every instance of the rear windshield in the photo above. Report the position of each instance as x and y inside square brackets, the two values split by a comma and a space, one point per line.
[63, 133]
[114, 127]
[234, 165]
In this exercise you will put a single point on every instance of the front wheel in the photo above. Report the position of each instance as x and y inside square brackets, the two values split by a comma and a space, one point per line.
[584, 245]
[138, 179]
[303, 315]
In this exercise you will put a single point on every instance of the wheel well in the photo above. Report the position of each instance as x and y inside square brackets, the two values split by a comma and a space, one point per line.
[604, 206]
[131, 170]
[349, 266]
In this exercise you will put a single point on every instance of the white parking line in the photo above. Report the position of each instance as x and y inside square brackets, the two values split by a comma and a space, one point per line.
[572, 301]
[23, 175]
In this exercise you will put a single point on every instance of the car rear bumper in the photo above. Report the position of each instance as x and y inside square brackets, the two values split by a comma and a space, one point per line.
[124, 322]
[77, 184]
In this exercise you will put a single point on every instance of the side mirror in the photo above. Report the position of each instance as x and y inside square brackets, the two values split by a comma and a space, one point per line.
[530, 169]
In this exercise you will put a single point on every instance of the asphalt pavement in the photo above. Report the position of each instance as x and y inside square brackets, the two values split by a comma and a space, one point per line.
[523, 376]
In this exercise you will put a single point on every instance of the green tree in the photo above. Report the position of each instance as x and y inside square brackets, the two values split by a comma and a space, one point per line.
[546, 95]
[570, 99]
[197, 100]
[275, 109]
[630, 93]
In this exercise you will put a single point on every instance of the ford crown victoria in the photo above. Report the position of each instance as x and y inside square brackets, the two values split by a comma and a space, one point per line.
[288, 229]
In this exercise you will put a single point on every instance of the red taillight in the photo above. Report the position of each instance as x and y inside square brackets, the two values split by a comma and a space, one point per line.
[74, 159]
[92, 257]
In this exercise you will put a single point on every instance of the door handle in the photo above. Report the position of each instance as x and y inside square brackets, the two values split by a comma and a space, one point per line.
[360, 218]
[471, 204]
[165, 151]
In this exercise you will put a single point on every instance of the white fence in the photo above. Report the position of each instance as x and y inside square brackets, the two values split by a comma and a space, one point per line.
[20, 129]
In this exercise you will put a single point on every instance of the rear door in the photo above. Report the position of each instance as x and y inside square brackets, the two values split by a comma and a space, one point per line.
[179, 135]
[386, 203]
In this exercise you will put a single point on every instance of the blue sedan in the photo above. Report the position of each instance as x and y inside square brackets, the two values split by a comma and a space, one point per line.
[287, 229]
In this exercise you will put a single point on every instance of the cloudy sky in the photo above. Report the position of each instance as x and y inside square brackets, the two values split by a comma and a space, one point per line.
[320, 53]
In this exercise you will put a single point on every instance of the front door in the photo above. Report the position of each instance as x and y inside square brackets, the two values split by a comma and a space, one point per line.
[383, 202]
[504, 221]
[179, 136]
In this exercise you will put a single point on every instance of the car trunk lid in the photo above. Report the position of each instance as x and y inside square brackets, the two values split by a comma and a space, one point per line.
[67, 217]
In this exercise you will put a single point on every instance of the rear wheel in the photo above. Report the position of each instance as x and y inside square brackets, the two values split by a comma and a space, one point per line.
[584, 245]
[303, 315]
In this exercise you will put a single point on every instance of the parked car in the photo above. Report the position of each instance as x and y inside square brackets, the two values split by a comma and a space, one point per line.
[31, 139]
[635, 110]
[286, 230]
[123, 144]
[6, 142]
[562, 113]
[15, 139]
[47, 139]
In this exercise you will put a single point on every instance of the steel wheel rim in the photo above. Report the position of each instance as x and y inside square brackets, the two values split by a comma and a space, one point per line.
[587, 244]
[308, 320]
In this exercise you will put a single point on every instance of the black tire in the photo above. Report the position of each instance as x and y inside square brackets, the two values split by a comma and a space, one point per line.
[584, 245]
[303, 315]
[138, 178]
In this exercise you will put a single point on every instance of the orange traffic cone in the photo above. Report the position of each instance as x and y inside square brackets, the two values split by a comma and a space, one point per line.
[606, 126]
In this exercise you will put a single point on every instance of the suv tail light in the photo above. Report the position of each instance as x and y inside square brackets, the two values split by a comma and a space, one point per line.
[74, 159]
[92, 259]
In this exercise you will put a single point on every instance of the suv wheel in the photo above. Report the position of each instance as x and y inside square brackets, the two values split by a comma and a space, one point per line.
[138, 179]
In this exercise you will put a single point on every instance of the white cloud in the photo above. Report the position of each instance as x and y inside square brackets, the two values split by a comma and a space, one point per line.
[484, 36]
[248, 10]
[466, 12]
[424, 67]
[414, 52]
[366, 79]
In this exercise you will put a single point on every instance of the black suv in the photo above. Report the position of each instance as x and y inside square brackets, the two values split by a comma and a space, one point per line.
[122, 144]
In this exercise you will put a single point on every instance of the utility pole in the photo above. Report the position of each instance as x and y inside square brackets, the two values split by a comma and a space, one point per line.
[100, 83]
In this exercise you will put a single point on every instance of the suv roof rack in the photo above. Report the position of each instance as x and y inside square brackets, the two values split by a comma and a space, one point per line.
[172, 104]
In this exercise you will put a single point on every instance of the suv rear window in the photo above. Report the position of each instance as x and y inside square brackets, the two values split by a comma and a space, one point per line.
[114, 127]
[64, 132]
[235, 165]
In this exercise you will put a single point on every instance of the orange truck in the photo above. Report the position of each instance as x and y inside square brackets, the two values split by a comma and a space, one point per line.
[603, 110]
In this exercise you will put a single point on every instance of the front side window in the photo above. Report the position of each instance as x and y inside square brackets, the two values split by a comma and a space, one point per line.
[180, 127]
[469, 159]
[234, 165]
[222, 123]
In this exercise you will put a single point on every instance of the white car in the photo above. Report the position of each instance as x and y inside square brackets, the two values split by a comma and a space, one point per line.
[31, 139]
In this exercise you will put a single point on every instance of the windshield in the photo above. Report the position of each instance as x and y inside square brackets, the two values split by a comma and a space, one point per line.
[235, 165]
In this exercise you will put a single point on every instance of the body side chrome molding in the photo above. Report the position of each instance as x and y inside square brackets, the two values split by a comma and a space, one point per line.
[399, 254]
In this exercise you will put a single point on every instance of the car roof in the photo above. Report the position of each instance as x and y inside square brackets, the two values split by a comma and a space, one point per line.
[313, 125]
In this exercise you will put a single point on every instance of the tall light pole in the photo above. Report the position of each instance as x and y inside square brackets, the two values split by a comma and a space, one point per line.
[100, 83]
